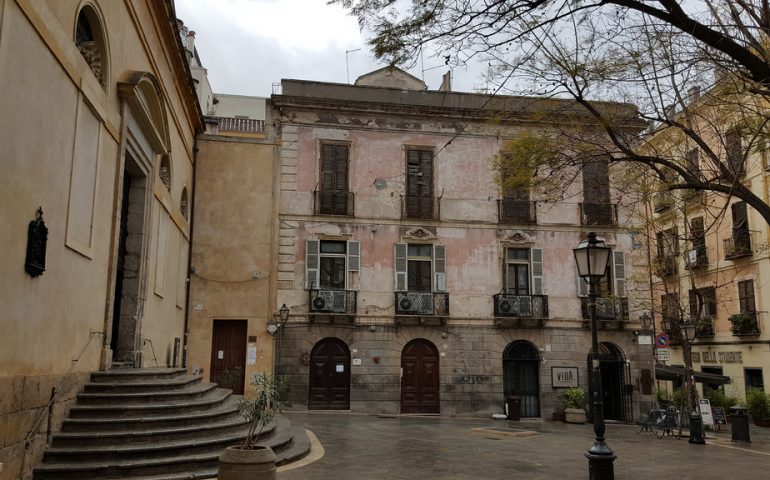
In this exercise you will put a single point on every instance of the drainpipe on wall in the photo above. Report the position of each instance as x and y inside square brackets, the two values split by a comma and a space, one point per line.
[190, 252]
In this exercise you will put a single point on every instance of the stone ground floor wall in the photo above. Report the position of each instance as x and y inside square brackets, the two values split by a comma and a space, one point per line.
[470, 364]
[24, 401]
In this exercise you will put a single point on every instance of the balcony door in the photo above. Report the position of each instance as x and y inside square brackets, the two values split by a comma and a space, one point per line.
[333, 182]
[419, 184]
[596, 193]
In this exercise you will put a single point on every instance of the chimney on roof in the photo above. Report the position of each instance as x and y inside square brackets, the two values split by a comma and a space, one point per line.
[446, 82]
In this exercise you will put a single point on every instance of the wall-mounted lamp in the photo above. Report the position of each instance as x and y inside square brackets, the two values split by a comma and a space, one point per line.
[646, 320]
[283, 312]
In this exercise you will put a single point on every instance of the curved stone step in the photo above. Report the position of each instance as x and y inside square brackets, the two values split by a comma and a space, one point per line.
[188, 392]
[294, 450]
[131, 437]
[211, 399]
[142, 385]
[228, 409]
[137, 374]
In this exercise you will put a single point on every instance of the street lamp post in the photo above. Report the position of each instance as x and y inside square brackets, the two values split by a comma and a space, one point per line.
[591, 257]
[687, 329]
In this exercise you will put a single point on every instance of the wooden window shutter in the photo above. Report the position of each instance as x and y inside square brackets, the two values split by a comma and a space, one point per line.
[439, 267]
[740, 216]
[311, 263]
[620, 273]
[536, 257]
[354, 256]
[400, 266]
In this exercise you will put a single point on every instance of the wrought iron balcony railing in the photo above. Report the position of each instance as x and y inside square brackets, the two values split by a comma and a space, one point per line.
[607, 308]
[413, 206]
[744, 324]
[696, 258]
[333, 202]
[517, 212]
[598, 214]
[332, 302]
[429, 304]
[665, 265]
[739, 245]
[704, 327]
[521, 306]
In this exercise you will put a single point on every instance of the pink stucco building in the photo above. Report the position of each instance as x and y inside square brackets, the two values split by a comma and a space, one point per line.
[414, 285]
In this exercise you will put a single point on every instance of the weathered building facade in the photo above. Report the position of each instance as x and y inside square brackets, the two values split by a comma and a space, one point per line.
[97, 121]
[413, 284]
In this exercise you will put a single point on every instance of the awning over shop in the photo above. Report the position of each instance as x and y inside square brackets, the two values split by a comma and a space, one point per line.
[668, 372]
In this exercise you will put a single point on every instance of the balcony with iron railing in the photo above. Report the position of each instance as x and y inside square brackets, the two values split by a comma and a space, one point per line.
[598, 214]
[696, 258]
[516, 212]
[745, 324]
[739, 245]
[331, 304]
[422, 306]
[516, 310]
[665, 265]
[608, 309]
[420, 207]
[334, 202]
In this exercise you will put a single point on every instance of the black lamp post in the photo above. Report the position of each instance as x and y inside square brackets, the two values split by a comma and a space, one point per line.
[687, 329]
[591, 257]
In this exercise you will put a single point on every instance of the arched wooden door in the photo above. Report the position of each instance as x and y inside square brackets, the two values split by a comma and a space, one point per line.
[329, 375]
[420, 378]
[521, 376]
[615, 373]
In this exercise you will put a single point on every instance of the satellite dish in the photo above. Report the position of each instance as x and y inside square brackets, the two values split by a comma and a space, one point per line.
[380, 184]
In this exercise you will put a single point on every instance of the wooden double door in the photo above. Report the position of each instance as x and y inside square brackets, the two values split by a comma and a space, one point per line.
[228, 354]
[420, 381]
[329, 376]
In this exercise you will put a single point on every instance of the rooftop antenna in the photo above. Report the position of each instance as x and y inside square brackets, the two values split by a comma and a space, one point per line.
[347, 62]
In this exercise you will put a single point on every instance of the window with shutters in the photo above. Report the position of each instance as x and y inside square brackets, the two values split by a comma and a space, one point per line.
[697, 256]
[596, 208]
[517, 271]
[605, 284]
[740, 243]
[703, 303]
[420, 267]
[515, 207]
[523, 293]
[330, 262]
[333, 196]
[734, 151]
[418, 197]
[746, 296]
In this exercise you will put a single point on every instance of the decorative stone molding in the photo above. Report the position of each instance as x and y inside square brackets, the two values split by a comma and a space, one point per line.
[518, 237]
[418, 233]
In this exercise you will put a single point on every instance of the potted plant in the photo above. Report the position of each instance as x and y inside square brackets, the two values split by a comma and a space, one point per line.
[574, 402]
[743, 324]
[248, 460]
[758, 404]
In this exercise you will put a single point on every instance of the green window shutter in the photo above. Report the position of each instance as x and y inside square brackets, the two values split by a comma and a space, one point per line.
[311, 263]
[620, 273]
[536, 259]
[354, 256]
[399, 266]
[439, 267]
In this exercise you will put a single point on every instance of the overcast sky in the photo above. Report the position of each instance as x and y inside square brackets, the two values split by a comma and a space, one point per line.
[247, 45]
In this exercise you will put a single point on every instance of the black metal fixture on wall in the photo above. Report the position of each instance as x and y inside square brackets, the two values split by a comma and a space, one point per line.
[37, 238]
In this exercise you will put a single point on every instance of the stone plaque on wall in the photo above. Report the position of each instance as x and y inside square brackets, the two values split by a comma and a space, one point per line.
[564, 377]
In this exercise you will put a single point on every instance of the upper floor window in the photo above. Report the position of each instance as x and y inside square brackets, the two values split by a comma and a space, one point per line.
[329, 264]
[418, 199]
[734, 151]
[333, 196]
[164, 171]
[90, 40]
[420, 267]
[183, 204]
[746, 296]
[613, 283]
[524, 271]
[596, 208]
[703, 303]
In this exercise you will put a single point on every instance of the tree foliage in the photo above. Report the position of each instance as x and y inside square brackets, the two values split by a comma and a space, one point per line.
[698, 72]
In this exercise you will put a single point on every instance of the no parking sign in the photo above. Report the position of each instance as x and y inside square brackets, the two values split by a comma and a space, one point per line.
[661, 340]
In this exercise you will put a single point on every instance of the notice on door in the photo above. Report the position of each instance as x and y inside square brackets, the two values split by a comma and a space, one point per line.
[220, 354]
[251, 355]
[339, 368]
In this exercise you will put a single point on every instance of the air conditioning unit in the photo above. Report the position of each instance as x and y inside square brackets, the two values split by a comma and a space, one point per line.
[416, 303]
[515, 305]
[333, 301]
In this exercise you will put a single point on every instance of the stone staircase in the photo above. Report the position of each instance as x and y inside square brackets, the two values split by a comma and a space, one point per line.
[155, 424]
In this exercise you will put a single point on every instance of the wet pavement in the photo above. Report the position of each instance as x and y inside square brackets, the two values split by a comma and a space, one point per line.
[369, 447]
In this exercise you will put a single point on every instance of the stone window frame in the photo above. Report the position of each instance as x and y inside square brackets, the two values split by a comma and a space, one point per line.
[97, 57]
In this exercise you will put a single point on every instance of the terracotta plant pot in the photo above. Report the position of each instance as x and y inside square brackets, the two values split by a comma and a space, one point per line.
[762, 422]
[574, 415]
[238, 463]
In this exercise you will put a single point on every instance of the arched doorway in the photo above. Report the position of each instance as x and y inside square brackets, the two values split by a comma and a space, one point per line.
[420, 378]
[521, 376]
[329, 375]
[616, 375]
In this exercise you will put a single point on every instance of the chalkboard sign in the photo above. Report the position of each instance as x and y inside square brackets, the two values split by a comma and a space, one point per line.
[719, 415]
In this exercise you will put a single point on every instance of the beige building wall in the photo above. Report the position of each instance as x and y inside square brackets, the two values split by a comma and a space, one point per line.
[233, 259]
[67, 139]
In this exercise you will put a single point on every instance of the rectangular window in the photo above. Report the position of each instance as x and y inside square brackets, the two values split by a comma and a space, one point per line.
[517, 271]
[734, 151]
[698, 234]
[741, 234]
[670, 308]
[419, 184]
[754, 379]
[333, 196]
[668, 244]
[692, 162]
[746, 296]
[420, 267]
[328, 262]
[703, 302]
